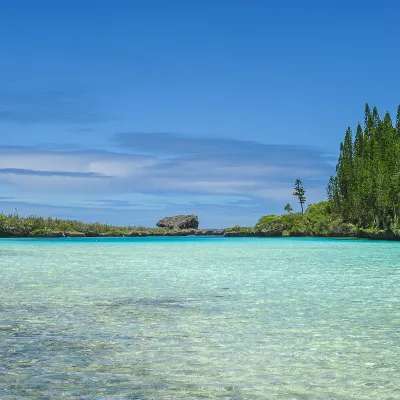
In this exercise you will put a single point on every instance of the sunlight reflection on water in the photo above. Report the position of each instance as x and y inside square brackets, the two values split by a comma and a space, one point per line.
[200, 318]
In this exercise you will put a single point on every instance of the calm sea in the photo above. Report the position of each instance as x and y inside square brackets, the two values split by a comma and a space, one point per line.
[199, 318]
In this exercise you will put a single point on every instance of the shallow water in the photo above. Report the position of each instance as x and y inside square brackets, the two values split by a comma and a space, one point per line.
[199, 318]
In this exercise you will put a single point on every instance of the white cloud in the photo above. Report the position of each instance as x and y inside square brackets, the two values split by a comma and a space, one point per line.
[151, 182]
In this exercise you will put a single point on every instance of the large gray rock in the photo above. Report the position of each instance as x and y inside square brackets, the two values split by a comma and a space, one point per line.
[179, 222]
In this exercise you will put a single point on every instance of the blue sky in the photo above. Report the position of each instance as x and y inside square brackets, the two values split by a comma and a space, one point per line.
[127, 111]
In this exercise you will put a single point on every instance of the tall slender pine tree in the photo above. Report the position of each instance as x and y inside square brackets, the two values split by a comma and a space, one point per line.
[398, 120]
[366, 188]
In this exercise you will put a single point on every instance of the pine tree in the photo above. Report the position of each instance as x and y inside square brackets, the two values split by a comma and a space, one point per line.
[333, 193]
[300, 193]
[359, 142]
[288, 208]
[345, 172]
[368, 122]
[375, 116]
[359, 173]
[367, 114]
[366, 188]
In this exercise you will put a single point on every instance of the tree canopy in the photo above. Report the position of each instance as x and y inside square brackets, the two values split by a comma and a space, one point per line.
[366, 188]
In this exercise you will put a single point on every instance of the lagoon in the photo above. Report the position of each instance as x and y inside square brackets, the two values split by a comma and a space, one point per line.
[199, 317]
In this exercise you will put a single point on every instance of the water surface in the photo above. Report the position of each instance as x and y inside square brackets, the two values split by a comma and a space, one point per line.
[199, 318]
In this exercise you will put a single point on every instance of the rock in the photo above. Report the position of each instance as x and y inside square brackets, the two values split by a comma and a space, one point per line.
[110, 234]
[377, 235]
[141, 234]
[146, 233]
[179, 222]
[209, 232]
[270, 232]
[239, 234]
[115, 233]
[182, 232]
[47, 233]
[94, 234]
[296, 234]
[74, 234]
[54, 234]
[14, 231]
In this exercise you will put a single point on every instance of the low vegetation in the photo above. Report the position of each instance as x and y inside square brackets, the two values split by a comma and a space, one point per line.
[317, 220]
[14, 225]
[363, 195]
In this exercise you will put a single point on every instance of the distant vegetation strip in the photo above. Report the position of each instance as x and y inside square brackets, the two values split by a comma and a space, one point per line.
[14, 225]
[318, 220]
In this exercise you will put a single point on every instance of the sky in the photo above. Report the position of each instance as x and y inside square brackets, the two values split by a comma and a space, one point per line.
[128, 111]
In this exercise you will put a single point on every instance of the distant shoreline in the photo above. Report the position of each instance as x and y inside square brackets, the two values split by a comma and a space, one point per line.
[318, 221]
[386, 236]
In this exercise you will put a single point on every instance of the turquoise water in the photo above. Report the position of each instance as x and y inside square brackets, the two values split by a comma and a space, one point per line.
[199, 318]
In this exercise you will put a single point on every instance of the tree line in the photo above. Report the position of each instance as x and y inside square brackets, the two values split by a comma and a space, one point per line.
[366, 187]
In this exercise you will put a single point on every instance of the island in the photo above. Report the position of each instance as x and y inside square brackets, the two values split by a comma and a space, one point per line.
[363, 200]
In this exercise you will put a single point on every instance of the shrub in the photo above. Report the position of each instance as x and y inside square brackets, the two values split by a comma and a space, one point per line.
[269, 222]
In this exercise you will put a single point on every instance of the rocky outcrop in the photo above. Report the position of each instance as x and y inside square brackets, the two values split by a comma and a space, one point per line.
[12, 231]
[209, 232]
[269, 232]
[141, 234]
[179, 222]
[377, 235]
[47, 233]
[74, 234]
[183, 232]
[239, 234]
[236, 234]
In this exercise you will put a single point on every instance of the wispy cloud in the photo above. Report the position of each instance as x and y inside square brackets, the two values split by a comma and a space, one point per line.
[30, 172]
[172, 143]
[227, 166]
[166, 173]
[34, 106]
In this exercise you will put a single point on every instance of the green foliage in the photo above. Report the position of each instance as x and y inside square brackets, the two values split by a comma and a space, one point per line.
[269, 222]
[289, 225]
[395, 227]
[14, 225]
[318, 220]
[295, 224]
[288, 208]
[398, 120]
[241, 229]
[366, 188]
